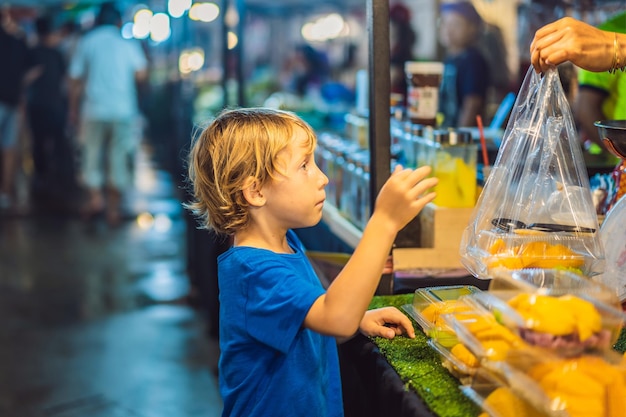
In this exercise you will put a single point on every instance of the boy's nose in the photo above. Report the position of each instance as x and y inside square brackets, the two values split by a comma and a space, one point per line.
[325, 179]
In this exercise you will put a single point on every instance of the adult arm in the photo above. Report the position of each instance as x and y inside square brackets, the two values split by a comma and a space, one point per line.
[569, 39]
[76, 86]
[77, 71]
[141, 75]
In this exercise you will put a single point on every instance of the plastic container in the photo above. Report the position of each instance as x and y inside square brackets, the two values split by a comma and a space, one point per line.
[423, 80]
[584, 386]
[531, 246]
[564, 324]
[551, 281]
[424, 297]
[454, 163]
[460, 367]
[431, 303]
[482, 334]
[521, 386]
[497, 399]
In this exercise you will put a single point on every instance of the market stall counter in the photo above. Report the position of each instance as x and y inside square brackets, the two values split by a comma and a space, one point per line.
[403, 377]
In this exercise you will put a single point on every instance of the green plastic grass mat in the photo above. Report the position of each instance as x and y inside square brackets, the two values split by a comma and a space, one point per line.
[420, 368]
[620, 346]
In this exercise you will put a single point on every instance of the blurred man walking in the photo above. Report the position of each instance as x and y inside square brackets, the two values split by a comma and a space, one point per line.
[104, 72]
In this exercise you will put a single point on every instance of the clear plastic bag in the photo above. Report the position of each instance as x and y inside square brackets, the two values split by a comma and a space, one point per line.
[536, 208]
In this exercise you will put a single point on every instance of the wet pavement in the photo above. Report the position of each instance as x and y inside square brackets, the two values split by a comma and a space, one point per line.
[96, 321]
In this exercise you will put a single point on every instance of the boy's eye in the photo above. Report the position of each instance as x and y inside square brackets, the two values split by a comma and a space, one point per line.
[307, 162]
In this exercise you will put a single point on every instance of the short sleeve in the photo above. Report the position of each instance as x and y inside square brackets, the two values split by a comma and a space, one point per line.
[278, 301]
[137, 56]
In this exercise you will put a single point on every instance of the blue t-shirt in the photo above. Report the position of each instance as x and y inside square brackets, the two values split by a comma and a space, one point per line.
[269, 364]
[464, 74]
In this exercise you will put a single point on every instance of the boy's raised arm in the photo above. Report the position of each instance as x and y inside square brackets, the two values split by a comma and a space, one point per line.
[340, 310]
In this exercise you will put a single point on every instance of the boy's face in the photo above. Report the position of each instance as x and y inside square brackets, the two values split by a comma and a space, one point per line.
[296, 197]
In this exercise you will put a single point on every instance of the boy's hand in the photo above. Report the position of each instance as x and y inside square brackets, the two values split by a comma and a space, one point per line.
[404, 195]
[386, 322]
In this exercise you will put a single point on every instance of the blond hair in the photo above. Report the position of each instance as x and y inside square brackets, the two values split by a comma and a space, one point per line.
[237, 145]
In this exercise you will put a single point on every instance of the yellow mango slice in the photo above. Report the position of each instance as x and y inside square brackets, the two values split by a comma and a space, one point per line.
[585, 387]
[496, 350]
[533, 255]
[464, 355]
[506, 403]
[434, 311]
[558, 315]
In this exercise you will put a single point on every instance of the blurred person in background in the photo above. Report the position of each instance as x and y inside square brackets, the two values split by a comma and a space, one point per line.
[309, 70]
[601, 95]
[53, 156]
[493, 48]
[466, 76]
[402, 39]
[70, 35]
[15, 73]
[104, 72]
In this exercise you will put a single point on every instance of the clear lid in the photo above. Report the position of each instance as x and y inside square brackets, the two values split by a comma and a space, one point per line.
[431, 303]
[551, 281]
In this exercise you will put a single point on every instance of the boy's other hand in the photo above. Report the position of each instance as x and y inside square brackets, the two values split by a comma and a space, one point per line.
[387, 322]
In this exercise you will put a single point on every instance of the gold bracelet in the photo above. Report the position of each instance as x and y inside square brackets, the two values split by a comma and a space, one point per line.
[616, 62]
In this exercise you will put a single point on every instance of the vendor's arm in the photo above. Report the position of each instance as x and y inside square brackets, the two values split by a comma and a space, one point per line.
[583, 45]
[340, 310]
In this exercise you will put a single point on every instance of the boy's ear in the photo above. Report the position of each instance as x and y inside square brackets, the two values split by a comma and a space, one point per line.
[252, 192]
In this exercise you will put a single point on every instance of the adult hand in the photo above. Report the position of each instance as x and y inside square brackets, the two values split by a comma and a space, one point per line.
[569, 39]
[387, 322]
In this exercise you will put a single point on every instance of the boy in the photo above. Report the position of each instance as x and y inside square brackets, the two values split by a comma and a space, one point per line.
[254, 178]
